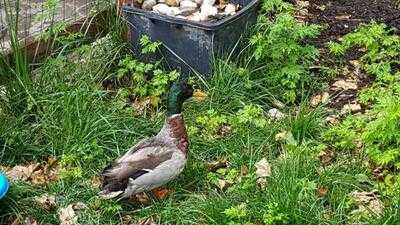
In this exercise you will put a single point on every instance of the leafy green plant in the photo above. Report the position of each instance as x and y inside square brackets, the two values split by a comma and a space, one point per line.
[382, 134]
[237, 215]
[250, 115]
[274, 217]
[345, 135]
[144, 80]
[382, 50]
[278, 41]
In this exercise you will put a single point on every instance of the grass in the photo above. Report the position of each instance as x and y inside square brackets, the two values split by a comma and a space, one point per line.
[84, 125]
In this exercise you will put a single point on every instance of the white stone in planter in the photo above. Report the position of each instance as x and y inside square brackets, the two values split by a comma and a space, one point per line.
[197, 17]
[208, 11]
[230, 9]
[198, 2]
[148, 4]
[176, 10]
[163, 9]
[188, 4]
[208, 3]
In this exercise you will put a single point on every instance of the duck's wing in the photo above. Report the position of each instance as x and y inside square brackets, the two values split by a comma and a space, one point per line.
[116, 176]
[141, 149]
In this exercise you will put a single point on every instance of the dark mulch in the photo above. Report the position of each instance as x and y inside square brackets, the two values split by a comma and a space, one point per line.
[343, 16]
[340, 17]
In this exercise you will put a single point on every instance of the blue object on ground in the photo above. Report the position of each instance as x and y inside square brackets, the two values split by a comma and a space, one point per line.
[3, 185]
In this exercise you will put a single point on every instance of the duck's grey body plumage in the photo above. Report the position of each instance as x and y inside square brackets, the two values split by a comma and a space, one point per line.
[151, 163]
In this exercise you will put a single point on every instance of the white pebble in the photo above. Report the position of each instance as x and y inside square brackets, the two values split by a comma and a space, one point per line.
[163, 9]
[148, 4]
[176, 10]
[188, 4]
[208, 11]
[197, 17]
[230, 9]
[208, 2]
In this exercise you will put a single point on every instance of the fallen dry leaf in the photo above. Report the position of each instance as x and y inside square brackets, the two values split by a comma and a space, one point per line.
[343, 17]
[302, 4]
[218, 164]
[326, 157]
[141, 198]
[69, 214]
[278, 104]
[222, 184]
[368, 201]
[263, 168]
[35, 173]
[319, 99]
[321, 7]
[46, 201]
[199, 95]
[322, 191]
[224, 131]
[351, 108]
[27, 221]
[147, 221]
[262, 183]
[345, 85]
[333, 119]
[378, 174]
[22, 173]
[162, 193]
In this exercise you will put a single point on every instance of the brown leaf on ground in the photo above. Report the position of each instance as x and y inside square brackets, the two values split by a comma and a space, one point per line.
[333, 119]
[343, 17]
[199, 95]
[322, 191]
[141, 198]
[351, 108]
[278, 104]
[345, 85]
[27, 221]
[368, 201]
[46, 201]
[263, 168]
[262, 183]
[319, 99]
[35, 173]
[69, 214]
[302, 4]
[378, 174]
[326, 157]
[162, 193]
[218, 164]
[147, 221]
[223, 131]
[22, 173]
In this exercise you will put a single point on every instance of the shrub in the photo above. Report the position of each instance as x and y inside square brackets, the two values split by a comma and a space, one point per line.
[278, 43]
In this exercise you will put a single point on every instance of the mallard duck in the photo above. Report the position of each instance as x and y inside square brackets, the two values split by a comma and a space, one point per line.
[155, 161]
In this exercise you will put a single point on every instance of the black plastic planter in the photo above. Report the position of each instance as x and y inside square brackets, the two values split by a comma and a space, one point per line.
[190, 46]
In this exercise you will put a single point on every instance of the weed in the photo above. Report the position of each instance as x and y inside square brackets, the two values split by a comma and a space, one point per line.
[278, 41]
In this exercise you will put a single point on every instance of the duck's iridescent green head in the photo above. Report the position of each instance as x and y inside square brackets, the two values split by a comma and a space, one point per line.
[179, 92]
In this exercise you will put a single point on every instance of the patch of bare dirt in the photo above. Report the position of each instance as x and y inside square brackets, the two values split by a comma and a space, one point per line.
[344, 16]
